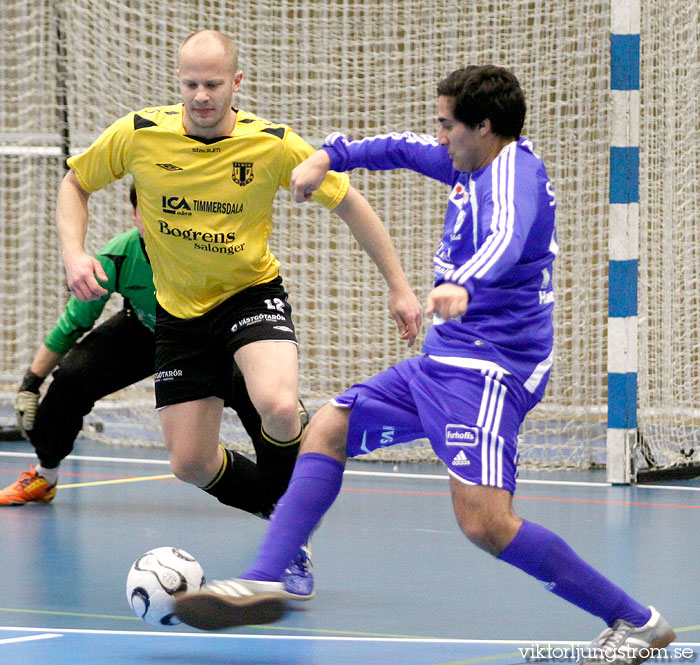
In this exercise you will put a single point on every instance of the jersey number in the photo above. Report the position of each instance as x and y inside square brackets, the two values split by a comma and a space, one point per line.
[275, 303]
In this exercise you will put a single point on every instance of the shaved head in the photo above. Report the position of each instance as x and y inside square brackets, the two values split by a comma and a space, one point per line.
[209, 43]
[206, 70]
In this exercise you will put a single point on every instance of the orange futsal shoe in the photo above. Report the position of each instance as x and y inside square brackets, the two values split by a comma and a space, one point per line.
[29, 487]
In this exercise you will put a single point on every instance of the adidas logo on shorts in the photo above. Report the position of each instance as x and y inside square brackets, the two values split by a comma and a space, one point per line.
[460, 459]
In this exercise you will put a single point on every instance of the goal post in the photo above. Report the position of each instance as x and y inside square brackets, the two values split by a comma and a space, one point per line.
[71, 67]
[623, 240]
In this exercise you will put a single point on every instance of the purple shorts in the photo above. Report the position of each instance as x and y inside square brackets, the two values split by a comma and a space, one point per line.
[470, 416]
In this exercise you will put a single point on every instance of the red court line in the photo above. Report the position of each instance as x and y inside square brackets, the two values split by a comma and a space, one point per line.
[535, 498]
[415, 493]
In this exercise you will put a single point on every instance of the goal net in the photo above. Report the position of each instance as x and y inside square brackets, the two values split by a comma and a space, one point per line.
[71, 67]
[669, 263]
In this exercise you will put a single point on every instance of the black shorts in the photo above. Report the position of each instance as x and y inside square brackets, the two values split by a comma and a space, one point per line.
[194, 357]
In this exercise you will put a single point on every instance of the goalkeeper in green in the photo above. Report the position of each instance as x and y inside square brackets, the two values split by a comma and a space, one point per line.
[114, 355]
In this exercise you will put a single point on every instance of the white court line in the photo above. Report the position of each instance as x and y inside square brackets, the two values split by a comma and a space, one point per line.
[380, 474]
[318, 638]
[27, 638]
[88, 458]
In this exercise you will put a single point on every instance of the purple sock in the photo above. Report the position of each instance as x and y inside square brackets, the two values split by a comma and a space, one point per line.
[312, 490]
[544, 555]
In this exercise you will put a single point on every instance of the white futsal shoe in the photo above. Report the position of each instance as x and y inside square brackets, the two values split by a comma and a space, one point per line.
[235, 602]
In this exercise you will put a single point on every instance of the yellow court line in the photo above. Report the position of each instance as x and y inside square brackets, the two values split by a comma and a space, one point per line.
[115, 482]
[83, 615]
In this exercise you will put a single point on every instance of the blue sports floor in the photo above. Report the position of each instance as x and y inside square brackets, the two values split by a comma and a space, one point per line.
[397, 583]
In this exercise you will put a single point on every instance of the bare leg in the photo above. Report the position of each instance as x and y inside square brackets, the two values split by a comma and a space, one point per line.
[191, 432]
[271, 376]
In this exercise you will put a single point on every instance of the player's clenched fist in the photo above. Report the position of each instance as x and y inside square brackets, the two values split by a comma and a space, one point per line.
[448, 301]
[308, 176]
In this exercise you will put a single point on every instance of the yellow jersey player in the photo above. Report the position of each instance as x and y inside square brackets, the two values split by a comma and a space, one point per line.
[206, 175]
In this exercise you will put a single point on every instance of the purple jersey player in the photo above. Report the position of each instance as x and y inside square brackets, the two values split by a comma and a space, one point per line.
[498, 246]
[485, 364]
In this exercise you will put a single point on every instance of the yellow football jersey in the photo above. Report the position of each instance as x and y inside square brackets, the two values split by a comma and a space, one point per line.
[206, 204]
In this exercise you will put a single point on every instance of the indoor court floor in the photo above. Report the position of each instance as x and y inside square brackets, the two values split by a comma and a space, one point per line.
[397, 583]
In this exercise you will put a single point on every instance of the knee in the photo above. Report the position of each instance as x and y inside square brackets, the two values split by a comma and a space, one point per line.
[71, 372]
[485, 516]
[190, 467]
[73, 387]
[490, 534]
[481, 533]
[66, 383]
[327, 433]
[281, 406]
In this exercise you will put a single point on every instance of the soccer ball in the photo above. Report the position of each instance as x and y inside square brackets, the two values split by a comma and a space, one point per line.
[153, 579]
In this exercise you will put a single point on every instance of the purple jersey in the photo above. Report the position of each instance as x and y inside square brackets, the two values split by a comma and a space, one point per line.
[499, 243]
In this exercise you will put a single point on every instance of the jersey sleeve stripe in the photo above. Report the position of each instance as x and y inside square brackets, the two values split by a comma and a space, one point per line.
[467, 270]
[409, 137]
[502, 220]
[506, 193]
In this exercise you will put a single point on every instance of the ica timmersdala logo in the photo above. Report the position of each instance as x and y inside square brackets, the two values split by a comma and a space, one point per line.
[242, 173]
[461, 435]
[176, 205]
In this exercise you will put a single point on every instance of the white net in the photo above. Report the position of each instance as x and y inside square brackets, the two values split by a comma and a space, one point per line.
[669, 269]
[71, 67]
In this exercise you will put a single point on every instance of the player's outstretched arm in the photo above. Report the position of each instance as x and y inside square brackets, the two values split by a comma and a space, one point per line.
[308, 176]
[71, 218]
[369, 231]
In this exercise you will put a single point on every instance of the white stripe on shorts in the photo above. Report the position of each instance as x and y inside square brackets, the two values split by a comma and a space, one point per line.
[489, 420]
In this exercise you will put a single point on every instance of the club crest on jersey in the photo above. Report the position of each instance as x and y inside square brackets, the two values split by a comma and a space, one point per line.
[242, 173]
[461, 435]
[459, 195]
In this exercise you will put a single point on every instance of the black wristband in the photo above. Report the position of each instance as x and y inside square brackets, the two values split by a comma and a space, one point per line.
[31, 382]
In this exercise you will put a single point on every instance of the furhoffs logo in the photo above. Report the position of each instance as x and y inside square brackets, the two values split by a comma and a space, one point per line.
[461, 435]
[242, 173]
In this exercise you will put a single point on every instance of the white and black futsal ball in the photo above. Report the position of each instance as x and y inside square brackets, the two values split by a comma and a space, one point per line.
[155, 577]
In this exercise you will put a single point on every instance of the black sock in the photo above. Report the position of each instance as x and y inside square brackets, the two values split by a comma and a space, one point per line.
[275, 460]
[237, 484]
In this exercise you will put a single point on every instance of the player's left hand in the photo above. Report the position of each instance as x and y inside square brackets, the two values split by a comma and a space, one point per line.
[406, 311]
[448, 301]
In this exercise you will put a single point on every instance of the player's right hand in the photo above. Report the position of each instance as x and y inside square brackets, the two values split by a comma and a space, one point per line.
[447, 301]
[82, 273]
[26, 404]
[308, 176]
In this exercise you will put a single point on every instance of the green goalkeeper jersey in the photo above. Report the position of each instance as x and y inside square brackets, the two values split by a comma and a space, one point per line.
[128, 273]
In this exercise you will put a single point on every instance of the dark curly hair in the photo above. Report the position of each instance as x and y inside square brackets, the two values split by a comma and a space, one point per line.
[486, 91]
